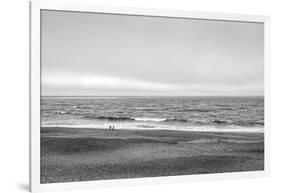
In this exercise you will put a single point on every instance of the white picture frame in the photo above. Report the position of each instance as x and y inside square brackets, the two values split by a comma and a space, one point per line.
[35, 88]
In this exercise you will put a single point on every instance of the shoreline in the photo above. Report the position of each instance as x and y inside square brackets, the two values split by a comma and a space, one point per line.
[75, 154]
[252, 130]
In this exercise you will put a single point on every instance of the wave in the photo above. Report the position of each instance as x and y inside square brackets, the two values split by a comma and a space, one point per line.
[145, 126]
[199, 110]
[147, 109]
[139, 119]
[204, 110]
[161, 120]
[217, 122]
[109, 118]
[196, 110]
[249, 123]
[220, 122]
[226, 109]
[61, 112]
[176, 120]
[149, 119]
[123, 118]
[238, 123]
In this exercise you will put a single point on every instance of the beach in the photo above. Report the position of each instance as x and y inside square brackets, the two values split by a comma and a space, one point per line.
[135, 96]
[80, 154]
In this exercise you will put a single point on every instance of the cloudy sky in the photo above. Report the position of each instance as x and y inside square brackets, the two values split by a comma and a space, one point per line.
[104, 54]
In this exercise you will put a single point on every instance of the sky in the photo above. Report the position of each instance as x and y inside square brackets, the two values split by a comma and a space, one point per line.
[91, 54]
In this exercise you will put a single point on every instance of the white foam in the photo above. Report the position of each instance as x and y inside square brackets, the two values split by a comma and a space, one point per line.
[149, 119]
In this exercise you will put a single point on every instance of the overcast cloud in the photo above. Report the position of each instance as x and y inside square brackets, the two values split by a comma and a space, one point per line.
[103, 54]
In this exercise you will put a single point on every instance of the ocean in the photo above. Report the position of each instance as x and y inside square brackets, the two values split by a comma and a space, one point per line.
[225, 114]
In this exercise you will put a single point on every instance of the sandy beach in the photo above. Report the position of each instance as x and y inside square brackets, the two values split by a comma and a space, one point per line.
[75, 154]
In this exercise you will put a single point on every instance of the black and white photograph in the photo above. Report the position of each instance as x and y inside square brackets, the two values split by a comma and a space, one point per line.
[134, 96]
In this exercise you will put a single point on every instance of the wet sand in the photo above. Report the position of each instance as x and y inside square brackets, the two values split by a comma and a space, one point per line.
[74, 154]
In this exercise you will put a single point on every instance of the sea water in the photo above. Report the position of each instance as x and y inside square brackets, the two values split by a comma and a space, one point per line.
[226, 114]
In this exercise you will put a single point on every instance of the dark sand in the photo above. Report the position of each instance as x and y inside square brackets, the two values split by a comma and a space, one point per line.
[69, 154]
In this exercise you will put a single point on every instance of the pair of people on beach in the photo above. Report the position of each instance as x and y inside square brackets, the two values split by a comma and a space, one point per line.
[111, 127]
